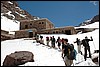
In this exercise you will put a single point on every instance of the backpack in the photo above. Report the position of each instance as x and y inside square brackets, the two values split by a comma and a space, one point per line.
[71, 47]
[72, 54]
[84, 42]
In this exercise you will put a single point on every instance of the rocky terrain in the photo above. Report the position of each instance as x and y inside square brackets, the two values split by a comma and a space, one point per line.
[11, 10]
[94, 19]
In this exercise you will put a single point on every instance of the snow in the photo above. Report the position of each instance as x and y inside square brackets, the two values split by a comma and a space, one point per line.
[95, 55]
[10, 2]
[9, 13]
[93, 25]
[44, 55]
[9, 25]
[20, 14]
[88, 62]
[88, 20]
[19, 8]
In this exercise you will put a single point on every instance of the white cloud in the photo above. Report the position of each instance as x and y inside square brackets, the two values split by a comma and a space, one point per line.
[94, 2]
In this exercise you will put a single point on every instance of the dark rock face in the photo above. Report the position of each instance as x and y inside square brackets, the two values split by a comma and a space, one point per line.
[95, 60]
[16, 13]
[95, 18]
[18, 58]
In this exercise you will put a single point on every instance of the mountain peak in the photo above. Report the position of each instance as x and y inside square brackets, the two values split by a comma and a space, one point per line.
[90, 21]
[12, 11]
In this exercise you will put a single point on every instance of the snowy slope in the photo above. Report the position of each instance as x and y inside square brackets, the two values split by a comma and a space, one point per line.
[9, 25]
[44, 56]
[93, 25]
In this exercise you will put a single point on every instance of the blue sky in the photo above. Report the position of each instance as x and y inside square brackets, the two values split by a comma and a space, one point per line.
[62, 13]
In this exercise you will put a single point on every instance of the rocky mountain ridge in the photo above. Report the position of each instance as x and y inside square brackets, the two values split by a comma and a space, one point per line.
[90, 21]
[11, 10]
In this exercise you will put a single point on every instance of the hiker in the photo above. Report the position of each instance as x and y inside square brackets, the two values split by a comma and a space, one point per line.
[62, 41]
[85, 43]
[78, 45]
[41, 40]
[59, 42]
[53, 42]
[37, 38]
[47, 41]
[65, 52]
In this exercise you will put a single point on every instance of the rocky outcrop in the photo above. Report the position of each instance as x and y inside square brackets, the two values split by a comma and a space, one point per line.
[11, 10]
[18, 58]
[95, 18]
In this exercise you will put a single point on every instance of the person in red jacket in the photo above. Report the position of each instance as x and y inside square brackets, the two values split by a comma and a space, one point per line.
[47, 41]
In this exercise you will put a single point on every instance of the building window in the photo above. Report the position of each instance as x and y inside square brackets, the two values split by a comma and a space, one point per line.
[57, 32]
[53, 32]
[30, 24]
[68, 32]
[62, 31]
[42, 22]
[39, 22]
[48, 32]
[26, 26]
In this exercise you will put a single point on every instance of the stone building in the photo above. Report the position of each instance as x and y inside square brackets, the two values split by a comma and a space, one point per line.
[39, 24]
[5, 35]
[29, 28]
[26, 33]
[69, 30]
[4, 32]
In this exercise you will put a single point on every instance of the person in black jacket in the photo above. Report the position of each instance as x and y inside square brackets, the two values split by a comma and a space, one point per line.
[62, 41]
[59, 42]
[85, 43]
[53, 42]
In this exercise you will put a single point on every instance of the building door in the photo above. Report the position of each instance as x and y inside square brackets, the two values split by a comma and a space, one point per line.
[30, 34]
[68, 32]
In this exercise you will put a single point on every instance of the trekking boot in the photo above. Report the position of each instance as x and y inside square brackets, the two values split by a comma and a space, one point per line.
[81, 53]
[90, 56]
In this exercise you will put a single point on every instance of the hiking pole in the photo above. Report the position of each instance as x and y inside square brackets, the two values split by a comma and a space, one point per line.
[93, 42]
[94, 45]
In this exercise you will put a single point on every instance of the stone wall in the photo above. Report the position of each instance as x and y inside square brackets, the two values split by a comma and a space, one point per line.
[24, 33]
[4, 32]
[62, 30]
[5, 35]
[38, 24]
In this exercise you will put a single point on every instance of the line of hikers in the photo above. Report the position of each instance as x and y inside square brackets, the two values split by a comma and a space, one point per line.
[52, 39]
[68, 51]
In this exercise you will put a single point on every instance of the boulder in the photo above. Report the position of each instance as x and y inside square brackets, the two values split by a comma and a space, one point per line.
[95, 59]
[18, 58]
